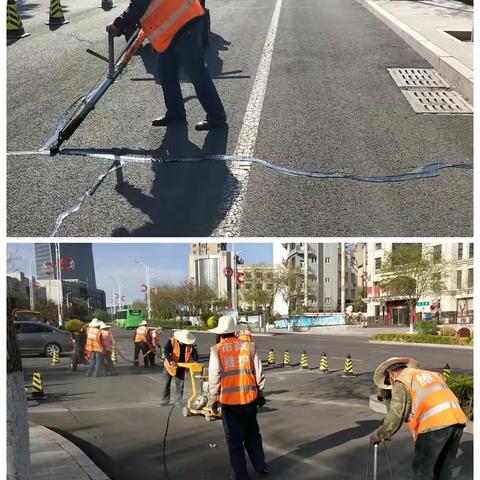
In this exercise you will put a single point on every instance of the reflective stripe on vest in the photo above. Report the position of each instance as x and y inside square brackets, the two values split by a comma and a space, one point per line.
[107, 340]
[238, 385]
[164, 18]
[141, 334]
[172, 369]
[434, 405]
[93, 340]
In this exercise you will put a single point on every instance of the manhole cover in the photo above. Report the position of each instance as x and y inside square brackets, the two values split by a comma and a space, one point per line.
[437, 101]
[417, 78]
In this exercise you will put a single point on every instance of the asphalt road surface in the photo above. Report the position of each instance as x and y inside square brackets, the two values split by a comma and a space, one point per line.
[323, 101]
[314, 426]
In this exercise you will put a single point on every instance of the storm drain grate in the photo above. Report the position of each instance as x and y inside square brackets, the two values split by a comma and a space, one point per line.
[417, 78]
[437, 101]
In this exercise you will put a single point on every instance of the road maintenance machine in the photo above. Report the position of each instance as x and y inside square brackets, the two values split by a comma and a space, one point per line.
[197, 404]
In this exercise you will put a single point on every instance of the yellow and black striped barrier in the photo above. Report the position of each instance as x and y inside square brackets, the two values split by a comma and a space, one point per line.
[304, 360]
[446, 371]
[14, 22]
[55, 358]
[286, 359]
[37, 385]
[323, 363]
[56, 16]
[114, 356]
[271, 357]
[348, 367]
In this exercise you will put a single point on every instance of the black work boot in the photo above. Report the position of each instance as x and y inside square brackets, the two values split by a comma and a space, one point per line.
[210, 124]
[165, 121]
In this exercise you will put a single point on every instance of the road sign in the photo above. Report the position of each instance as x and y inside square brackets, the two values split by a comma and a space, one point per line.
[228, 271]
[423, 304]
[144, 288]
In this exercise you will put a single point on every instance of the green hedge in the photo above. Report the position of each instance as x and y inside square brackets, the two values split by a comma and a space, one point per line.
[462, 387]
[409, 338]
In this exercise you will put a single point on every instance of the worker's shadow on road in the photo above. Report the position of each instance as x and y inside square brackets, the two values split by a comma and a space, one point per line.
[185, 198]
[310, 449]
[465, 461]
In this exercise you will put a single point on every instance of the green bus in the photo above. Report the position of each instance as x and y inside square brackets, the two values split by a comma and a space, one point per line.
[129, 318]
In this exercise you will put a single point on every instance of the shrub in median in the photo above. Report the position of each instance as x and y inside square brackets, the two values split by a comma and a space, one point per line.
[462, 387]
[74, 325]
[447, 332]
[463, 332]
[408, 338]
[426, 327]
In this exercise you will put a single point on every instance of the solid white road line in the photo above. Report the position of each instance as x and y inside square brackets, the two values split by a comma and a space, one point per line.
[236, 188]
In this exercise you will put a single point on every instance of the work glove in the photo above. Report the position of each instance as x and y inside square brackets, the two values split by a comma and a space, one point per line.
[375, 438]
[261, 401]
[214, 406]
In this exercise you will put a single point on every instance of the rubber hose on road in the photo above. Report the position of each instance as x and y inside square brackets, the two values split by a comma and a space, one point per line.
[164, 457]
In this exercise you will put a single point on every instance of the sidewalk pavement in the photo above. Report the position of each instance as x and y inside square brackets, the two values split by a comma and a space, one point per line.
[53, 457]
[423, 25]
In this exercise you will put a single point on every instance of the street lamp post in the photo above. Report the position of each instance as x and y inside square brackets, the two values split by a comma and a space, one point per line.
[31, 294]
[147, 280]
[88, 303]
[68, 303]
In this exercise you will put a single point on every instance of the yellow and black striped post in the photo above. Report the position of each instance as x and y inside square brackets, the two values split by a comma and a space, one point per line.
[446, 371]
[271, 357]
[304, 360]
[14, 22]
[348, 367]
[286, 359]
[56, 16]
[323, 363]
[114, 356]
[37, 385]
[55, 358]
[107, 4]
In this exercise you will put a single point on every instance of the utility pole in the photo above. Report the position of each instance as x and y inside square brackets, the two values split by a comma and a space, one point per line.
[147, 281]
[59, 284]
[342, 284]
[234, 278]
[305, 275]
[31, 294]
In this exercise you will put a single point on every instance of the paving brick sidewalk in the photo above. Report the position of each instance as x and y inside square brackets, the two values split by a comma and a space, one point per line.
[423, 25]
[53, 457]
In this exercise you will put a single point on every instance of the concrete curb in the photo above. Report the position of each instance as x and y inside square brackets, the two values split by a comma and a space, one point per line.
[386, 342]
[84, 462]
[454, 72]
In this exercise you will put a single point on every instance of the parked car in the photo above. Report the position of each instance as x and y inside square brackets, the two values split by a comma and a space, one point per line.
[34, 337]
[26, 315]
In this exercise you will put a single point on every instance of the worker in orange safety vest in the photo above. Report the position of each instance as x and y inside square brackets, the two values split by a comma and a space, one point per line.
[245, 333]
[154, 343]
[174, 29]
[179, 348]
[95, 350]
[108, 343]
[432, 412]
[142, 344]
[236, 382]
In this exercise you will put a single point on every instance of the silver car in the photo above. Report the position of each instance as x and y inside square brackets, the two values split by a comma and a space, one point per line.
[39, 338]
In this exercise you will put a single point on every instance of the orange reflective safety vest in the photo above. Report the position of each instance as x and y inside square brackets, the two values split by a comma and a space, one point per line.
[107, 340]
[164, 18]
[172, 367]
[94, 343]
[238, 385]
[245, 335]
[434, 405]
[141, 334]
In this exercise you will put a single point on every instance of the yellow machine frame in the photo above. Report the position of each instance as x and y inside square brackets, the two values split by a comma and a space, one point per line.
[197, 371]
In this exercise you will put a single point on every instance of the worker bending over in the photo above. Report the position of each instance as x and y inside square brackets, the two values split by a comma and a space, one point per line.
[179, 348]
[154, 337]
[142, 344]
[236, 381]
[244, 333]
[432, 412]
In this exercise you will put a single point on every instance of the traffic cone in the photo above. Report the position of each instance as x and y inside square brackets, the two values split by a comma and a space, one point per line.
[114, 356]
[271, 357]
[14, 22]
[286, 359]
[304, 360]
[348, 367]
[37, 386]
[107, 4]
[56, 14]
[55, 358]
[446, 371]
[324, 363]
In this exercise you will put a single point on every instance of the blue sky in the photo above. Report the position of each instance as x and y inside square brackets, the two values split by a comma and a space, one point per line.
[115, 262]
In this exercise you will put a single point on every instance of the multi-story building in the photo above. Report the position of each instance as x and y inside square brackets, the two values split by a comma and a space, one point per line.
[453, 303]
[17, 282]
[208, 265]
[329, 275]
[259, 277]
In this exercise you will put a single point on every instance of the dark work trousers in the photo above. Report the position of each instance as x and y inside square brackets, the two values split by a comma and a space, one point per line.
[435, 453]
[178, 384]
[186, 51]
[109, 368]
[141, 347]
[242, 431]
[151, 356]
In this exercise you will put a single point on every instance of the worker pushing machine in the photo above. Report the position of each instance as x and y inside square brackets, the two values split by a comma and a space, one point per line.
[142, 344]
[179, 349]
[95, 350]
[432, 412]
[108, 344]
[174, 29]
[236, 382]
